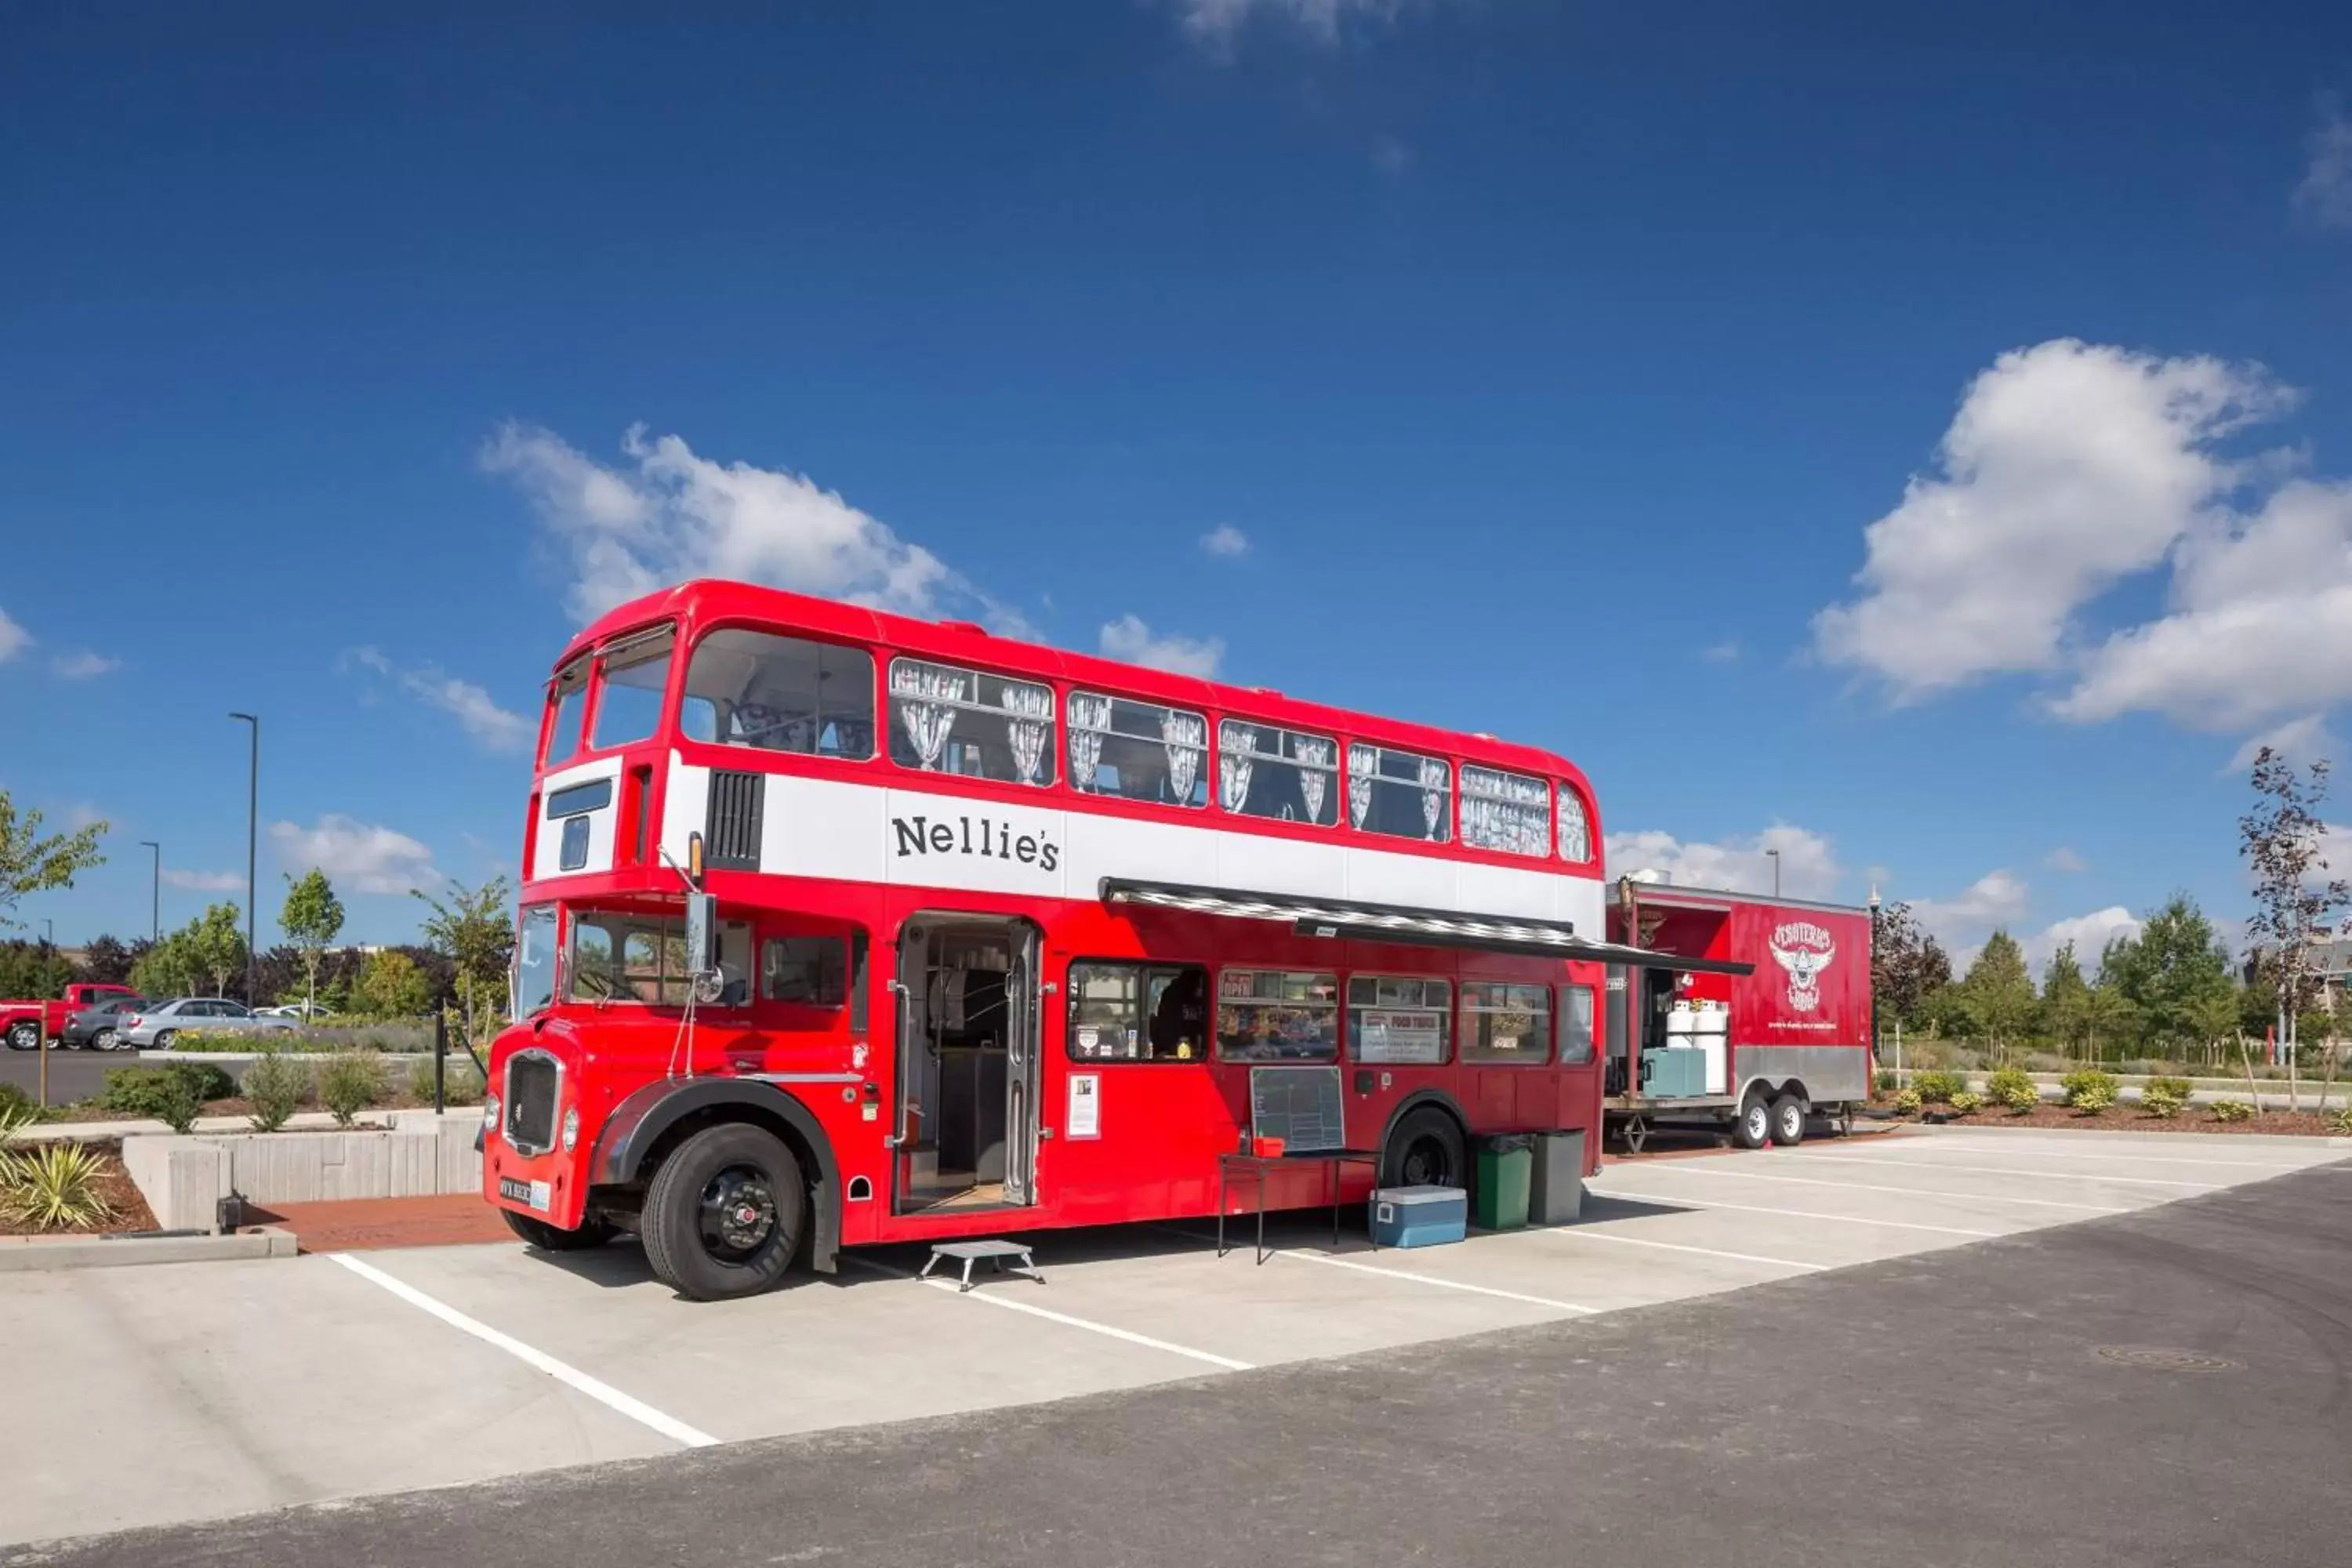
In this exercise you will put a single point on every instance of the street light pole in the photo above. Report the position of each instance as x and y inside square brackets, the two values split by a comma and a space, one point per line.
[1776, 871]
[252, 819]
[154, 893]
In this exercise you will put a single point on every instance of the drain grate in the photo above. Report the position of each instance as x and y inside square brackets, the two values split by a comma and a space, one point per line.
[2166, 1361]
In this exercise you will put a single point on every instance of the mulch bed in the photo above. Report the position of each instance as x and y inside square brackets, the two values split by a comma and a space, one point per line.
[130, 1211]
[2132, 1119]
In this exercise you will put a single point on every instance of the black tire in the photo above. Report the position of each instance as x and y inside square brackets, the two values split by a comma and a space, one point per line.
[1426, 1151]
[25, 1037]
[108, 1040]
[549, 1237]
[163, 1038]
[1753, 1127]
[725, 1212]
[1789, 1120]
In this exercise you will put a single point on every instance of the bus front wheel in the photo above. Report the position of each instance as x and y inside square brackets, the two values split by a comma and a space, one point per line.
[724, 1213]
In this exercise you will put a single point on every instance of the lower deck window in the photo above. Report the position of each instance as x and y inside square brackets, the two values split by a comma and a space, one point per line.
[1505, 1023]
[1575, 1025]
[1397, 1019]
[1139, 1013]
[1277, 1015]
[811, 969]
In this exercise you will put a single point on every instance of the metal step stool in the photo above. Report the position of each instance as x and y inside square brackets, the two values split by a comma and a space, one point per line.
[971, 1252]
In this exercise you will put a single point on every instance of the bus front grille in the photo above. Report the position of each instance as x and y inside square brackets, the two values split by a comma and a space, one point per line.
[534, 1084]
[731, 840]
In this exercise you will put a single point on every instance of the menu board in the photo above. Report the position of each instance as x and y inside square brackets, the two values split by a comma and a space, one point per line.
[1301, 1106]
[1398, 1035]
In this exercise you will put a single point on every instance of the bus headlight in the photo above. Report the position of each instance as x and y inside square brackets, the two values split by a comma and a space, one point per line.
[489, 1113]
[570, 1129]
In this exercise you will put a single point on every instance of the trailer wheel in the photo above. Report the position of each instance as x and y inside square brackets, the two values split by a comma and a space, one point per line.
[1789, 1120]
[724, 1213]
[1426, 1151]
[1753, 1128]
[548, 1237]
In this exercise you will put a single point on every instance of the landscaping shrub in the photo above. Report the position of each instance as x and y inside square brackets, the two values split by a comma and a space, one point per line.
[461, 1081]
[2232, 1111]
[349, 1083]
[2181, 1088]
[173, 1101]
[2089, 1090]
[2161, 1103]
[2014, 1089]
[276, 1085]
[238, 1042]
[2339, 1121]
[1937, 1088]
[54, 1188]
[162, 1092]
[15, 1098]
[1887, 1082]
[1907, 1103]
[1967, 1101]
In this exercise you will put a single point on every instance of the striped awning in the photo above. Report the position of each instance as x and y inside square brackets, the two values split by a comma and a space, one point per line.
[1347, 918]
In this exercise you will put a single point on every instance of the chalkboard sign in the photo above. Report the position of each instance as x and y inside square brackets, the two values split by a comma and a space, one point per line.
[1301, 1106]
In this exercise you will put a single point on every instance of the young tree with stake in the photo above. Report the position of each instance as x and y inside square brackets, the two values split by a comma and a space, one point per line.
[2282, 838]
[311, 920]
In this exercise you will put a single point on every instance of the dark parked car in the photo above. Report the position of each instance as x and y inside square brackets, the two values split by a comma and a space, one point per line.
[100, 1027]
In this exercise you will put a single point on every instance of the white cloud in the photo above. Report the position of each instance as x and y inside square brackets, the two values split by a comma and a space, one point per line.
[2069, 467]
[85, 665]
[671, 515]
[206, 881]
[1214, 23]
[2090, 934]
[1130, 639]
[2064, 859]
[1226, 540]
[477, 712]
[2325, 193]
[1809, 865]
[2302, 739]
[361, 856]
[13, 638]
[1997, 899]
[81, 814]
[1720, 653]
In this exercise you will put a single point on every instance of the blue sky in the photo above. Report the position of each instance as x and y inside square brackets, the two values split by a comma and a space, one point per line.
[1547, 369]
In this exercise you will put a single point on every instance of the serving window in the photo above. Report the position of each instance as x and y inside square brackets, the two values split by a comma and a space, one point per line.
[1398, 1018]
[1503, 1023]
[1138, 1013]
[1401, 793]
[1286, 774]
[970, 723]
[1277, 1015]
[778, 694]
[1137, 751]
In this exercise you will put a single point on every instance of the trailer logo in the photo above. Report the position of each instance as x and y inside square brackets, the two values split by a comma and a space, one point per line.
[1804, 949]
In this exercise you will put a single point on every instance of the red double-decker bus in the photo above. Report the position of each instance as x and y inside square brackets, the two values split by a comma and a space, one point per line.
[1000, 934]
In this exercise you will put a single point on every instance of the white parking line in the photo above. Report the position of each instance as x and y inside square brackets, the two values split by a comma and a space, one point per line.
[1999, 1171]
[571, 1376]
[1580, 1233]
[1798, 1213]
[1692, 1167]
[1009, 1304]
[1434, 1279]
[2042, 1151]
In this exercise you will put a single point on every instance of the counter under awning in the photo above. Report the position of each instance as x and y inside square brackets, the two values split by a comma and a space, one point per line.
[1346, 918]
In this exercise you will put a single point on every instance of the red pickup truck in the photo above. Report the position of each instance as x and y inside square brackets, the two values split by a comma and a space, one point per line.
[25, 1024]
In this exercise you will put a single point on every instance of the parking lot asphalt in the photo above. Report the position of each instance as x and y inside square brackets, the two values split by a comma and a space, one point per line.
[73, 1075]
[1761, 1355]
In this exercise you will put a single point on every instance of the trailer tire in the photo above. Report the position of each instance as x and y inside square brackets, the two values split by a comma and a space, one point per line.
[538, 1233]
[725, 1212]
[1426, 1150]
[1752, 1127]
[1789, 1120]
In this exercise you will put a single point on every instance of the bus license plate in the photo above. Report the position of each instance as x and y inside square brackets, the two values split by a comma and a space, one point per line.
[538, 1194]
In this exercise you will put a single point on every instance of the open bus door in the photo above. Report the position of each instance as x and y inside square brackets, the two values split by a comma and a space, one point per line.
[966, 1063]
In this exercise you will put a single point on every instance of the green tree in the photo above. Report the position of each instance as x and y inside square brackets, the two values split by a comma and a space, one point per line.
[30, 863]
[168, 968]
[311, 920]
[34, 971]
[1907, 968]
[2282, 839]
[392, 985]
[216, 945]
[1997, 992]
[2108, 1019]
[2066, 998]
[473, 930]
[2169, 970]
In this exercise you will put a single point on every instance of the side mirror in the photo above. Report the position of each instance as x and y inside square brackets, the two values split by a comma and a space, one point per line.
[701, 933]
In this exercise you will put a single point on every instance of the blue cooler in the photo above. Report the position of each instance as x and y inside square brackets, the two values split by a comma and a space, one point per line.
[1420, 1216]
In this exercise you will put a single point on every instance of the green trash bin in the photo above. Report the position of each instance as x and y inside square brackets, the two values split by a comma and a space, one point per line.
[1505, 1169]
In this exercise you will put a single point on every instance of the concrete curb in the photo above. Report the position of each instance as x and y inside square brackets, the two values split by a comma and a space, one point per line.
[2286, 1139]
[420, 1155]
[26, 1254]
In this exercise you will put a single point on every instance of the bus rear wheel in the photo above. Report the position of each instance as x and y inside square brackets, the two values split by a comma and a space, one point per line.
[1426, 1151]
[723, 1215]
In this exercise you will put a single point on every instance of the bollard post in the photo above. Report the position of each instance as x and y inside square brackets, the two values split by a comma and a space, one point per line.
[440, 1057]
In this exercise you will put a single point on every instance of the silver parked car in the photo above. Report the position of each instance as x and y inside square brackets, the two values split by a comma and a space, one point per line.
[154, 1026]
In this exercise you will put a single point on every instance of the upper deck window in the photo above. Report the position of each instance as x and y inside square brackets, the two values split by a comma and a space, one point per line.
[1575, 836]
[945, 720]
[1505, 811]
[1137, 751]
[1400, 793]
[633, 675]
[1262, 771]
[567, 696]
[780, 694]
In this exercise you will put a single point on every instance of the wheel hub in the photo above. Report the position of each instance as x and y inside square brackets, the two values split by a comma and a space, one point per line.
[738, 1213]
